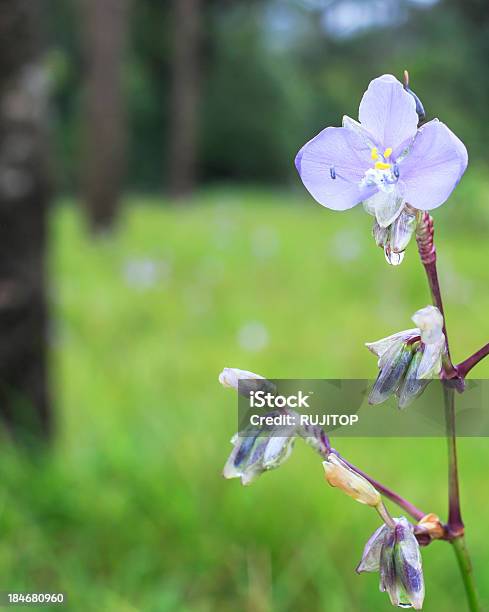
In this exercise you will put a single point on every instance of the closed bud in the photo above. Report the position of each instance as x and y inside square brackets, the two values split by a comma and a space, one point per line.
[402, 230]
[431, 525]
[380, 234]
[339, 474]
[244, 381]
[429, 321]
[419, 106]
[395, 238]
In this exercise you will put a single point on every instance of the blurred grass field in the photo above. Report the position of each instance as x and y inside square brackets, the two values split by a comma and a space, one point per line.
[129, 511]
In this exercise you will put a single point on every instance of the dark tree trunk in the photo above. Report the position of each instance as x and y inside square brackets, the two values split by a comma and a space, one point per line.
[23, 205]
[185, 97]
[105, 25]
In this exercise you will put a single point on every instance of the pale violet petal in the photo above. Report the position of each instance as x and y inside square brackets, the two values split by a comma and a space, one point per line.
[402, 231]
[409, 567]
[365, 136]
[431, 362]
[380, 346]
[332, 165]
[393, 365]
[278, 450]
[430, 321]
[388, 112]
[371, 553]
[433, 167]
[412, 386]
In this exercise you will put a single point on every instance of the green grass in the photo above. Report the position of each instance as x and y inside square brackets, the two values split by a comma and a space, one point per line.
[129, 511]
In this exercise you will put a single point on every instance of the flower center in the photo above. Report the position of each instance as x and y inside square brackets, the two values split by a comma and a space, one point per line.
[385, 173]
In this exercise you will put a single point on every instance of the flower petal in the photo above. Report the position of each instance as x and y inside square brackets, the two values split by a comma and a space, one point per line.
[433, 166]
[430, 321]
[393, 366]
[409, 567]
[431, 361]
[385, 206]
[331, 166]
[380, 346]
[371, 553]
[278, 450]
[412, 386]
[388, 112]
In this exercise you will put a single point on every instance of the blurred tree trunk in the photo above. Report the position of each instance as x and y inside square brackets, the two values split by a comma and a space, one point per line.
[24, 195]
[184, 97]
[105, 26]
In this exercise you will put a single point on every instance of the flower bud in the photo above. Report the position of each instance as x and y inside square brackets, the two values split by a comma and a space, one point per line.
[380, 234]
[258, 449]
[419, 106]
[231, 377]
[429, 321]
[340, 475]
[395, 238]
[431, 524]
[394, 552]
[402, 230]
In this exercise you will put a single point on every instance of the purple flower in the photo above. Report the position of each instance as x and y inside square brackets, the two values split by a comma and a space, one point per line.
[384, 161]
[394, 553]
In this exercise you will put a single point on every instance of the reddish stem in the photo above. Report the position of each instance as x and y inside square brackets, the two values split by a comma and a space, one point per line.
[410, 508]
[464, 367]
[426, 246]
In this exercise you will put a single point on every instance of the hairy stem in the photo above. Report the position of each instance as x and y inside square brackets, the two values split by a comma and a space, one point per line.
[425, 232]
[465, 567]
[464, 367]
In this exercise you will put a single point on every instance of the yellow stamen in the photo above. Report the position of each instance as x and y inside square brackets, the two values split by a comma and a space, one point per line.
[387, 152]
[374, 154]
[382, 166]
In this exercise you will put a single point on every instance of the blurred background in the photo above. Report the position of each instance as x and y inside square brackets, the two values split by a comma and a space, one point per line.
[153, 231]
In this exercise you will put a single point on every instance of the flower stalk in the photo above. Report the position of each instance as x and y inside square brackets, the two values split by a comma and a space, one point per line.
[464, 367]
[455, 525]
[465, 566]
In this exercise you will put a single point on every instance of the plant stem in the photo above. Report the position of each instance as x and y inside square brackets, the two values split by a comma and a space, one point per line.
[410, 508]
[464, 367]
[318, 439]
[466, 572]
[426, 246]
[455, 524]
